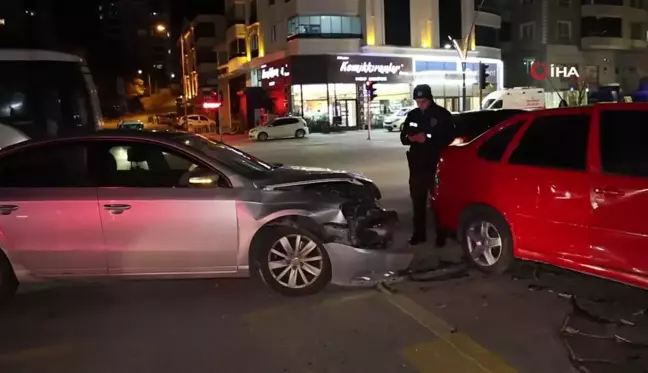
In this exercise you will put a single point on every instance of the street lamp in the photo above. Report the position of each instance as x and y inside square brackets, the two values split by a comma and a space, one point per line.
[160, 28]
[463, 54]
[139, 72]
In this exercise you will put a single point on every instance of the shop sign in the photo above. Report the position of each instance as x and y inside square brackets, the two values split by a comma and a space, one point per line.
[370, 68]
[270, 73]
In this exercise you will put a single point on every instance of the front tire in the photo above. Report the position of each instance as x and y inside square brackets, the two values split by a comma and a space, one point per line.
[262, 136]
[293, 262]
[300, 134]
[8, 281]
[486, 239]
[390, 129]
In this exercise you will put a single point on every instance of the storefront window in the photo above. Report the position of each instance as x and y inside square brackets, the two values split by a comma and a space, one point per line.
[390, 98]
[325, 27]
[296, 101]
[315, 103]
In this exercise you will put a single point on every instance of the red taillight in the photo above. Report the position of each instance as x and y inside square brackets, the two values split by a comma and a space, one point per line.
[458, 141]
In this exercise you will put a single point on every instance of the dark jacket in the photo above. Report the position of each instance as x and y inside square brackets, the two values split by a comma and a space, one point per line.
[438, 126]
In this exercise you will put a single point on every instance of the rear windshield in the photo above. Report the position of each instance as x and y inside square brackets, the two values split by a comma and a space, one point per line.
[45, 98]
[471, 125]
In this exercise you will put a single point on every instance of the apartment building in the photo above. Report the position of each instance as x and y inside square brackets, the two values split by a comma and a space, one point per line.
[27, 24]
[605, 40]
[313, 58]
[137, 32]
[200, 60]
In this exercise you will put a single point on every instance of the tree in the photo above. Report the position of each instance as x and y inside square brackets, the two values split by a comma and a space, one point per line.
[135, 88]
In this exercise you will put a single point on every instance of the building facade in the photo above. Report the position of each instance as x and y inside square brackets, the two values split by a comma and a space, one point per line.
[138, 35]
[200, 60]
[27, 24]
[605, 40]
[313, 59]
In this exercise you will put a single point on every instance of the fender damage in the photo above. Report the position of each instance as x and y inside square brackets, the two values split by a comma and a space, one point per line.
[359, 233]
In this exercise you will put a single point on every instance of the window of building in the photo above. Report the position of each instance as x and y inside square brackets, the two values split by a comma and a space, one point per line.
[505, 32]
[527, 31]
[204, 30]
[235, 14]
[273, 33]
[325, 27]
[253, 12]
[206, 55]
[607, 27]
[636, 30]
[564, 3]
[623, 139]
[564, 30]
[487, 36]
[237, 48]
[555, 141]
[254, 46]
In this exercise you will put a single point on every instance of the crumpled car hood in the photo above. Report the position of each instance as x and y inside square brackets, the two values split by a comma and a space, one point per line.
[296, 174]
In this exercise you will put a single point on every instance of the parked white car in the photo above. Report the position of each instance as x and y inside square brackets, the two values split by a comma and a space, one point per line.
[395, 121]
[280, 128]
[196, 122]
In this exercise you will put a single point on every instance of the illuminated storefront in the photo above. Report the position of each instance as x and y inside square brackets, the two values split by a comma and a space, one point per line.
[443, 74]
[327, 90]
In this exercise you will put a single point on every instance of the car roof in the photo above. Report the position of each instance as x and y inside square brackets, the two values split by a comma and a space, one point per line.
[36, 55]
[110, 134]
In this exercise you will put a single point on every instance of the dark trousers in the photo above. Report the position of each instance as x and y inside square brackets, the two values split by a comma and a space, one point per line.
[421, 184]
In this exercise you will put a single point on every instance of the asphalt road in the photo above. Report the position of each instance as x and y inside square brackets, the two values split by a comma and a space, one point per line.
[526, 321]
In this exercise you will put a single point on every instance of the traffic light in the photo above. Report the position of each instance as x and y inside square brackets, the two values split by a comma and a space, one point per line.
[371, 91]
[483, 75]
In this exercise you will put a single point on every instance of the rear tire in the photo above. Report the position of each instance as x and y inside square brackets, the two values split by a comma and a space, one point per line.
[8, 280]
[289, 275]
[486, 239]
[262, 136]
[300, 133]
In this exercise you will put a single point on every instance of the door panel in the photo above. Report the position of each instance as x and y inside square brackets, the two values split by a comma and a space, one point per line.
[549, 169]
[620, 224]
[53, 231]
[170, 230]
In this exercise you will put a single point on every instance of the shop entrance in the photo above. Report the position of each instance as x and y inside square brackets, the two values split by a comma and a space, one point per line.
[344, 113]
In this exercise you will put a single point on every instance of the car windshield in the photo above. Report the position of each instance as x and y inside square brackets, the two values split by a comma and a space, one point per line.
[235, 159]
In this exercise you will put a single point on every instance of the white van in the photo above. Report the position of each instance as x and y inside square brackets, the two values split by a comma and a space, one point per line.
[525, 98]
[45, 94]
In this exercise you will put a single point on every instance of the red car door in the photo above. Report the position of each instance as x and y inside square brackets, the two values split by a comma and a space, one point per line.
[548, 165]
[619, 195]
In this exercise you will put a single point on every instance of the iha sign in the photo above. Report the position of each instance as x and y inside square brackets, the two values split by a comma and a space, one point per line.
[543, 70]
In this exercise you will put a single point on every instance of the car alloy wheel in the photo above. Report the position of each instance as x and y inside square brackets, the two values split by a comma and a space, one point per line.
[484, 243]
[300, 133]
[262, 136]
[295, 261]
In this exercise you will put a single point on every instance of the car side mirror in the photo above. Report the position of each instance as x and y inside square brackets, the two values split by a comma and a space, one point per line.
[202, 179]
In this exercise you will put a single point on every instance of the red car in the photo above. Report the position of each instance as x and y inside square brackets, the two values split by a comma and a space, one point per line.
[567, 187]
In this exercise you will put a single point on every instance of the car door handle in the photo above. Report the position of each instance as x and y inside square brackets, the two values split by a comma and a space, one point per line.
[609, 192]
[8, 209]
[117, 209]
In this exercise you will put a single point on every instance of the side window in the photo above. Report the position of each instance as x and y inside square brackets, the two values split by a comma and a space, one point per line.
[495, 147]
[203, 118]
[556, 141]
[624, 134]
[280, 122]
[292, 121]
[498, 104]
[192, 117]
[141, 165]
[62, 165]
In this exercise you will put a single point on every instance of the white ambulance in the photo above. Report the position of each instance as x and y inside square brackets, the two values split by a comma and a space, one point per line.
[525, 98]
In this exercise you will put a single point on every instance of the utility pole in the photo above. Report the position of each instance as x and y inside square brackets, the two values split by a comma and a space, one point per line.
[463, 55]
[184, 81]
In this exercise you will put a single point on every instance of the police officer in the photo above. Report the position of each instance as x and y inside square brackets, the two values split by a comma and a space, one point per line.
[427, 130]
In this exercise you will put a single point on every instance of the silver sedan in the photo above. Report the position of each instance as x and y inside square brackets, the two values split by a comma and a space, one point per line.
[177, 205]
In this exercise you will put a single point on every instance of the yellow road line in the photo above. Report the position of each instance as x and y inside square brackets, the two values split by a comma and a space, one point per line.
[35, 353]
[453, 353]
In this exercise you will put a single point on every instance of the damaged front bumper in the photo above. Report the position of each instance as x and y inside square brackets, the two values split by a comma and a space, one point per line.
[353, 266]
